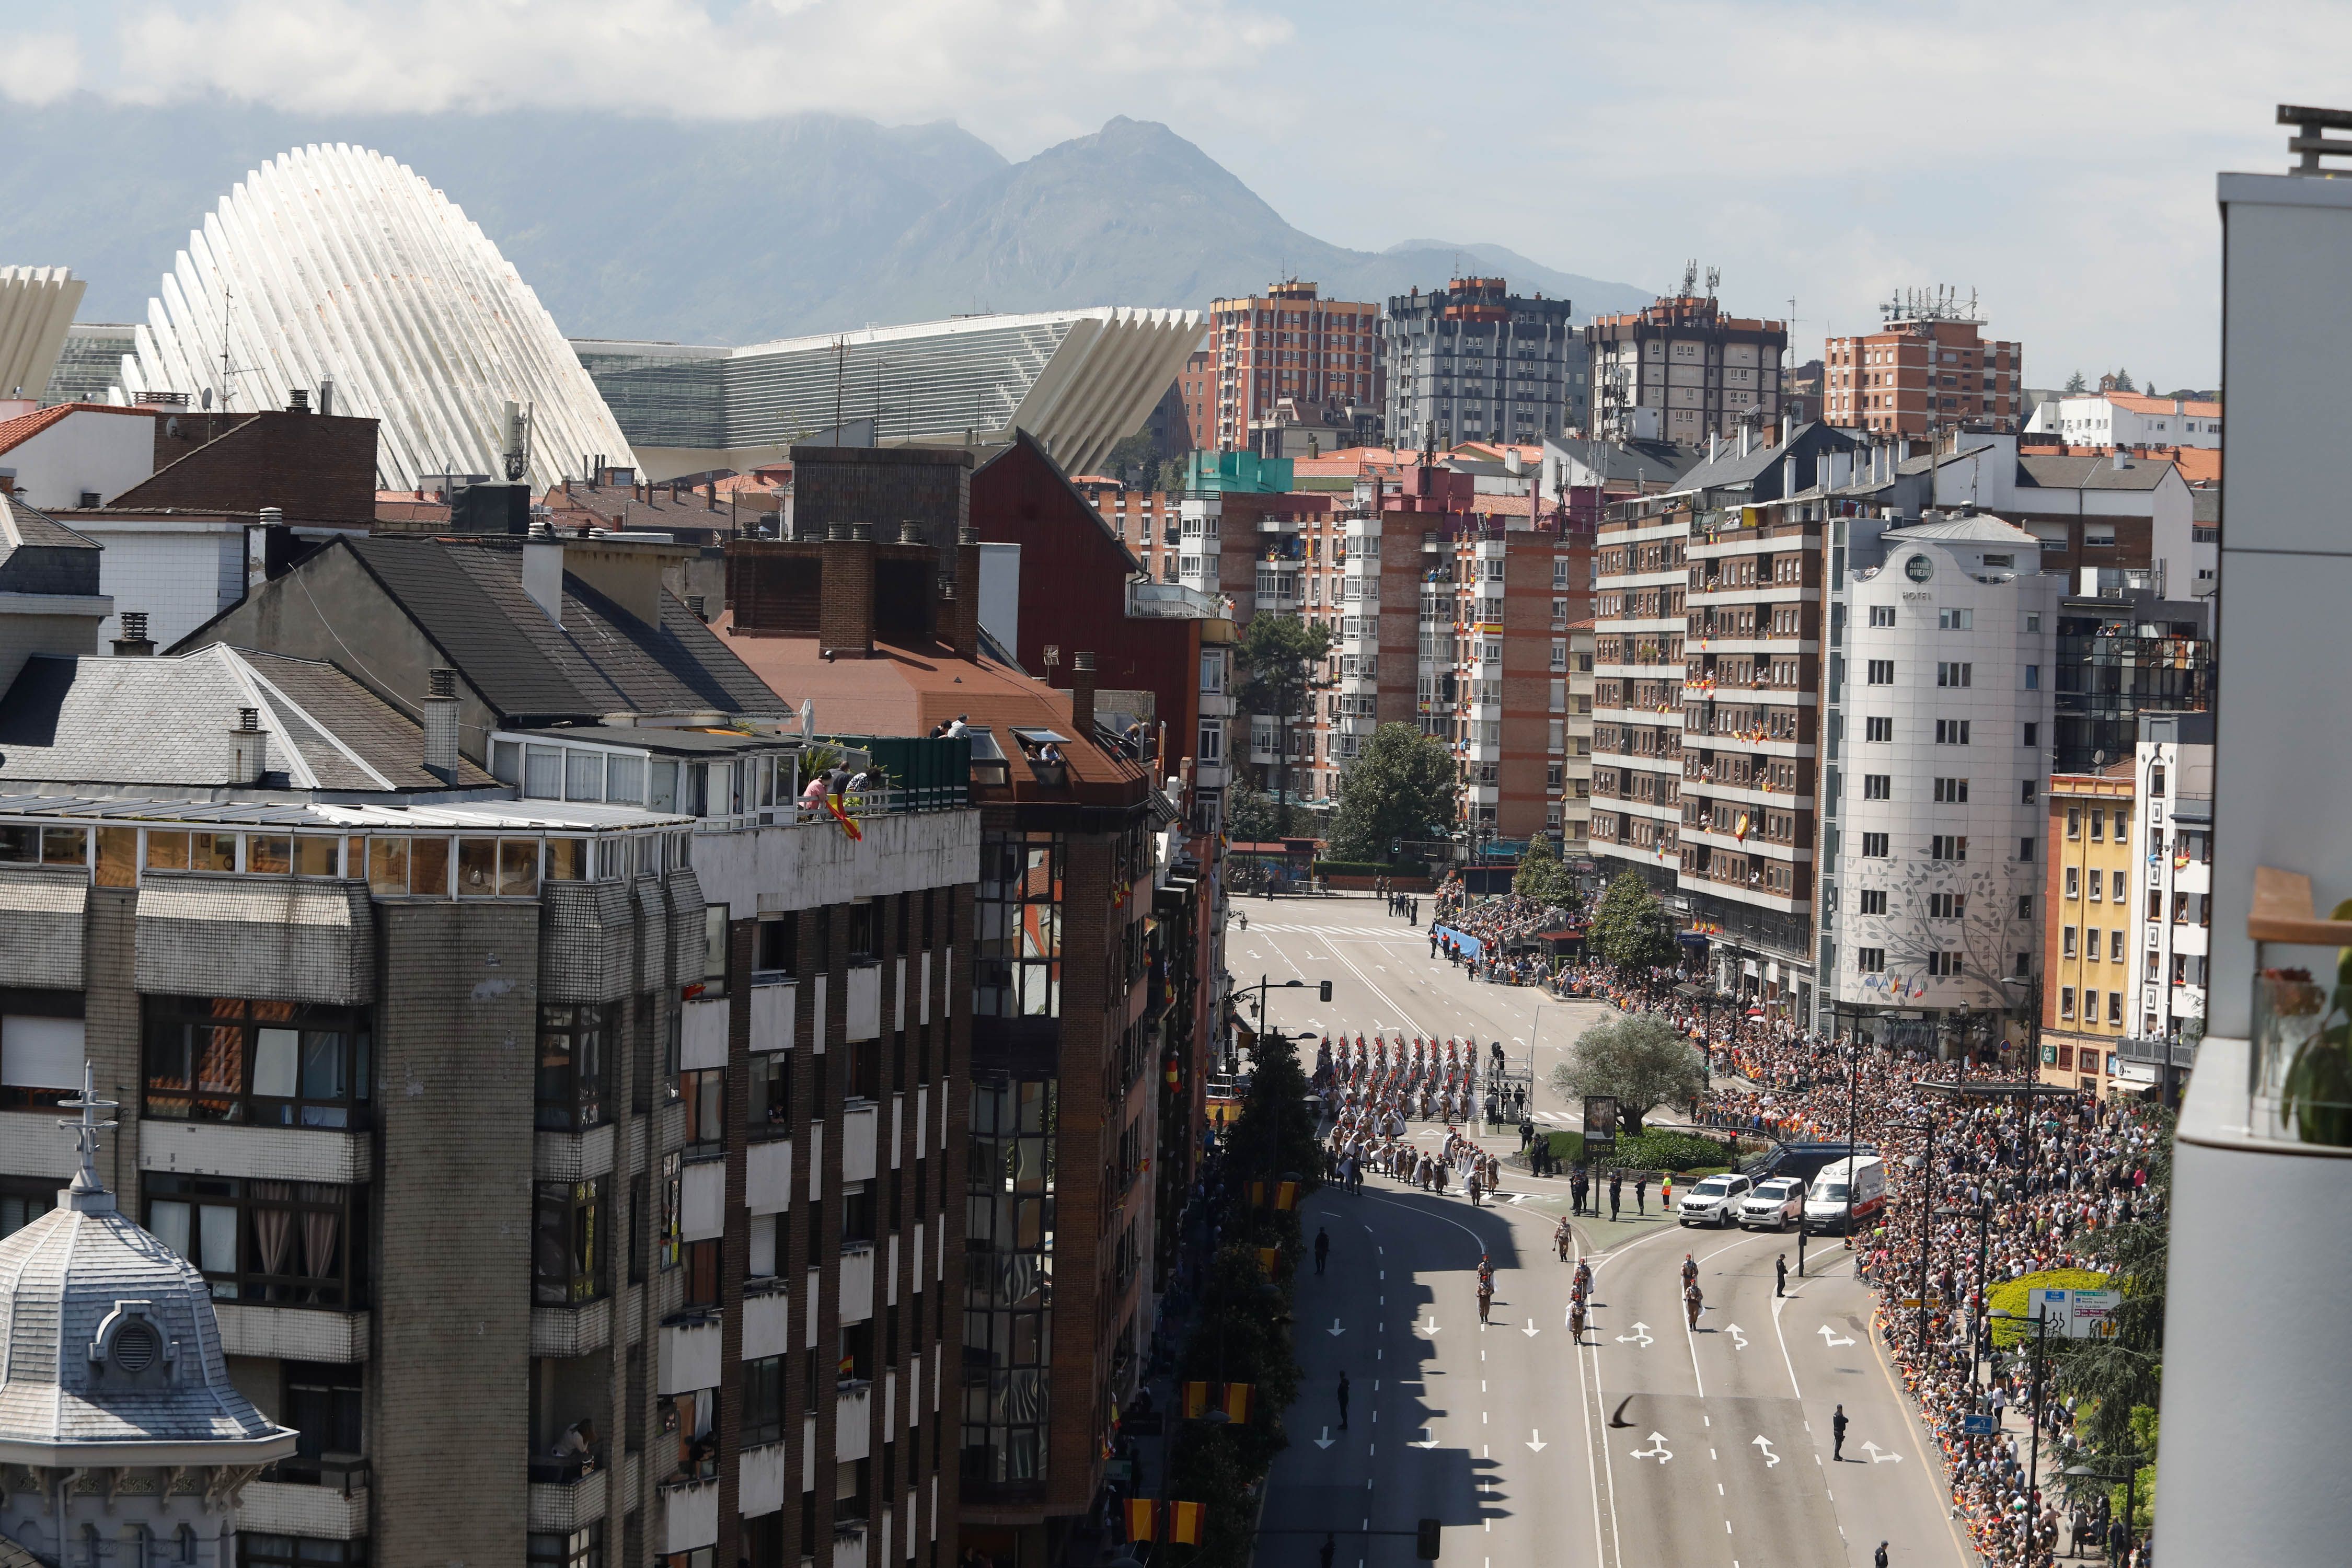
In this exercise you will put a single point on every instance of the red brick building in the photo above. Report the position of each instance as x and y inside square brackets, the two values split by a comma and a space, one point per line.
[1322, 355]
[1920, 373]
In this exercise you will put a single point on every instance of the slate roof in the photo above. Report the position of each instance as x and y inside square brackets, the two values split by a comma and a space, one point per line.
[468, 599]
[1978, 529]
[61, 1279]
[39, 555]
[166, 720]
[1636, 462]
[2093, 473]
[1730, 470]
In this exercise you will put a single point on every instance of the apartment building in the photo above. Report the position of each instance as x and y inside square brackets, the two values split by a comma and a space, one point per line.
[1473, 362]
[2087, 947]
[1064, 1108]
[2174, 831]
[1146, 521]
[1500, 621]
[1576, 756]
[1320, 356]
[1928, 367]
[2110, 419]
[1930, 920]
[307, 931]
[1683, 370]
[1709, 666]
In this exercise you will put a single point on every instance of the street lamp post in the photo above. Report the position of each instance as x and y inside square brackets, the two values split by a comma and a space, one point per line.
[2041, 1321]
[1981, 1211]
[1926, 1165]
[2130, 1479]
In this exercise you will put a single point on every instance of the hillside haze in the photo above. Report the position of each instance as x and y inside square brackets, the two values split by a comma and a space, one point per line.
[728, 233]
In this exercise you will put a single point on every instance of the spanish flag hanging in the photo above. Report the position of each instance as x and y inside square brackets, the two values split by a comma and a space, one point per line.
[1139, 1520]
[1285, 1196]
[848, 824]
[1185, 1522]
[1237, 1402]
[1266, 1258]
[1196, 1400]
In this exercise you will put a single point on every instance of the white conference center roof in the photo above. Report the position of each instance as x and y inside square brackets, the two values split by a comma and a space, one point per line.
[336, 263]
[1078, 381]
[37, 305]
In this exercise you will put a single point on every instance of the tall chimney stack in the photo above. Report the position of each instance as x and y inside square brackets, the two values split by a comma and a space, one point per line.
[441, 725]
[964, 628]
[134, 642]
[1082, 695]
[846, 612]
[248, 748]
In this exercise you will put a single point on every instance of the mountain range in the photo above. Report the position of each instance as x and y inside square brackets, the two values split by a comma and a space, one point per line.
[732, 233]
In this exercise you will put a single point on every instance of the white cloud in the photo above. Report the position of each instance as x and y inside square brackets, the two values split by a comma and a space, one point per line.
[40, 68]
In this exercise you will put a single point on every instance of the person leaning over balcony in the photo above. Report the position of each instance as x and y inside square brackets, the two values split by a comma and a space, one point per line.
[813, 797]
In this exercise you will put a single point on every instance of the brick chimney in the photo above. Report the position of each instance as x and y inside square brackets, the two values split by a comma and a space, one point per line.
[1082, 695]
[248, 748]
[846, 616]
[964, 624]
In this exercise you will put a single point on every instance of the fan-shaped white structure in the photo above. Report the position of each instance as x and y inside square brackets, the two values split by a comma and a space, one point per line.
[335, 263]
[37, 305]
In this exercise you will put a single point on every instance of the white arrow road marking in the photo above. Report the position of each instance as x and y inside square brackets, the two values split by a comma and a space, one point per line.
[1335, 1330]
[1657, 1449]
[1831, 1338]
[1326, 1440]
[1738, 1336]
[1425, 1443]
[1641, 1335]
[1770, 1458]
[1430, 1327]
[1536, 1442]
[1878, 1458]
[1531, 1330]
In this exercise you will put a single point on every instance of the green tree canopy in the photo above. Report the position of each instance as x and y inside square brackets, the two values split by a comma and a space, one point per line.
[1251, 815]
[1279, 653]
[1631, 928]
[2075, 383]
[1401, 784]
[1542, 876]
[1640, 1059]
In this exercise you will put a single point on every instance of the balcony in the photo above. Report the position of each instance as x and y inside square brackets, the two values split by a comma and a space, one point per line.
[566, 1494]
[325, 1498]
[689, 1515]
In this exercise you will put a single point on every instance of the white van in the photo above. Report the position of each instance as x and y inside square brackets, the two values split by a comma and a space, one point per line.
[1826, 1200]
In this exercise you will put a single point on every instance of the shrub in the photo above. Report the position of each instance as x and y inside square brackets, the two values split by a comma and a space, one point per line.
[1657, 1150]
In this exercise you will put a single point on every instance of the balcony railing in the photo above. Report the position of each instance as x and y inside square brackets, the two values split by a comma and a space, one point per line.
[346, 1474]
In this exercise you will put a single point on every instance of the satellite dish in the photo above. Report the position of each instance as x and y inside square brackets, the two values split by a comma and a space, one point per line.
[208, 397]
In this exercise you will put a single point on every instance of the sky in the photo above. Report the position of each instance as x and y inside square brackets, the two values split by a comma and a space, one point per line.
[2057, 161]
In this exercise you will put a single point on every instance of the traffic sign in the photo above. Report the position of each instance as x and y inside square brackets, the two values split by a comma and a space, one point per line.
[1980, 1425]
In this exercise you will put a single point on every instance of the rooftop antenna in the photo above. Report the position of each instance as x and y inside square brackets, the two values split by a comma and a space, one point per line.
[1690, 277]
[1714, 277]
[87, 1127]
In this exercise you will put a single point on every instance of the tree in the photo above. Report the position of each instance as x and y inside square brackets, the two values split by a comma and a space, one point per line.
[1640, 1059]
[1541, 876]
[2075, 383]
[2124, 380]
[1631, 929]
[1251, 815]
[1280, 652]
[1400, 784]
[1171, 477]
[2116, 1379]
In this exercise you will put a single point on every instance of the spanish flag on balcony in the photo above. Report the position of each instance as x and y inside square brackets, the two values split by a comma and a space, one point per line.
[1196, 1400]
[1237, 1401]
[848, 824]
[1267, 1256]
[1185, 1521]
[1139, 1517]
[1741, 834]
[1285, 1196]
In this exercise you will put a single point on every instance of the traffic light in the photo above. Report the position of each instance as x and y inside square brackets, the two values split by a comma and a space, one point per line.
[1327, 991]
[1425, 1541]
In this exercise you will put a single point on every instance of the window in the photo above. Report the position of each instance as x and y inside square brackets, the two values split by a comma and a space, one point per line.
[2065, 1003]
[770, 1113]
[2033, 677]
[2066, 941]
[1946, 906]
[2026, 792]
[2118, 884]
[322, 1403]
[775, 946]
[2098, 826]
[286, 1244]
[1018, 968]
[1873, 902]
[2092, 944]
[714, 953]
[1881, 672]
[254, 1550]
[567, 1249]
[1948, 847]
[764, 1401]
[2033, 735]
[1874, 845]
[2115, 945]
[1879, 729]
[1870, 960]
[582, 1548]
[1951, 791]
[687, 1440]
[2095, 885]
[2025, 847]
[2074, 829]
[1944, 965]
[667, 1245]
[1882, 615]
[705, 1092]
[1009, 1238]
[267, 1064]
[2115, 999]
[41, 1047]
[2026, 906]
[1957, 620]
[1877, 787]
[571, 1089]
[1951, 732]
[1951, 674]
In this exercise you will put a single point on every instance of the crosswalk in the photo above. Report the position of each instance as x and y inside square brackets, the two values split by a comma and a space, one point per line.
[1400, 931]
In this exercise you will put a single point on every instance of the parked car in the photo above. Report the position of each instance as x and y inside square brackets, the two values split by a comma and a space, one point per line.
[1826, 1202]
[1715, 1201]
[1775, 1205]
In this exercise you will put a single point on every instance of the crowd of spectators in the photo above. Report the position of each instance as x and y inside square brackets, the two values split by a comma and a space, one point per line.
[1497, 922]
[2056, 1173]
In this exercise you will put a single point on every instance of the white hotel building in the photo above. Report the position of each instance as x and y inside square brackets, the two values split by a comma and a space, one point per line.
[1928, 896]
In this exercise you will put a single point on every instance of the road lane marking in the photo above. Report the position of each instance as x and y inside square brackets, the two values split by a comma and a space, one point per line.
[1830, 1339]
[1656, 1450]
[1770, 1458]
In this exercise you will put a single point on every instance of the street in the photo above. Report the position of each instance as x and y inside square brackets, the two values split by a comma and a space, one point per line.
[1649, 1444]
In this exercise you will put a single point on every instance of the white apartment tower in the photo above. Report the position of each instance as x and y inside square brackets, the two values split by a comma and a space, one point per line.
[1929, 894]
